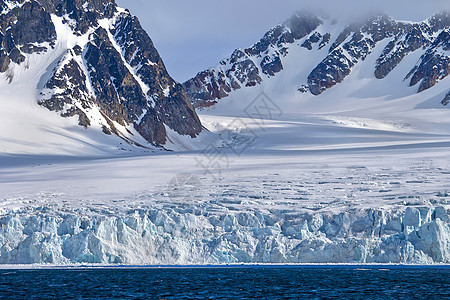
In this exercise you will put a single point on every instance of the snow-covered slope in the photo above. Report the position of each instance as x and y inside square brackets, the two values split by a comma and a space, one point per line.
[309, 55]
[357, 174]
[368, 92]
[72, 73]
[380, 205]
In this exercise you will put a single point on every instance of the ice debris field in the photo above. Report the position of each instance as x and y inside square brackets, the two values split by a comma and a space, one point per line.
[383, 199]
[358, 174]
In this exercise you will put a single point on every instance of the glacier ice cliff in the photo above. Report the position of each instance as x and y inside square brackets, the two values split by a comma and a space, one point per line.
[192, 236]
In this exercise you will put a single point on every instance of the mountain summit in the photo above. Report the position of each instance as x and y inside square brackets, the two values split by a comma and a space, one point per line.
[317, 53]
[92, 60]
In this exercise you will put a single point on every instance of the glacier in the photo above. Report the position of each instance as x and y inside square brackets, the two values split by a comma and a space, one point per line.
[384, 199]
[191, 236]
[359, 180]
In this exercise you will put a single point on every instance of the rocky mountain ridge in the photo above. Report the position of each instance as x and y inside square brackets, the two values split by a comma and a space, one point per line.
[107, 70]
[352, 45]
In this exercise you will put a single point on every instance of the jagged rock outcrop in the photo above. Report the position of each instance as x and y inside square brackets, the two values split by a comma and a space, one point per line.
[315, 38]
[73, 87]
[113, 76]
[345, 50]
[446, 99]
[434, 64]
[21, 28]
[170, 101]
[355, 43]
[247, 67]
[412, 39]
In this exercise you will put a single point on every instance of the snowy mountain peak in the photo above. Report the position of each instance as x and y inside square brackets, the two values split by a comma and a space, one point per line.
[248, 67]
[100, 66]
[337, 48]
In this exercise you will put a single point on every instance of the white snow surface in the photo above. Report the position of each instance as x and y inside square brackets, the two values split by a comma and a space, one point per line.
[27, 128]
[358, 174]
[343, 195]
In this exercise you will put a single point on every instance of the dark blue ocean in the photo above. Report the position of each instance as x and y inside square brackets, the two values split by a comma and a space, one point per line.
[257, 282]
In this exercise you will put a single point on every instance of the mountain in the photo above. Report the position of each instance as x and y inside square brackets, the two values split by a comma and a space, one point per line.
[311, 54]
[326, 153]
[91, 62]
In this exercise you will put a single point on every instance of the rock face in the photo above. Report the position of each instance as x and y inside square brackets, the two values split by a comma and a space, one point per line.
[247, 67]
[111, 76]
[434, 64]
[20, 29]
[412, 235]
[409, 38]
[352, 45]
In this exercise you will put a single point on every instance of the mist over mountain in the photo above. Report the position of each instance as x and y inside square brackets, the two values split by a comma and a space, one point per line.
[194, 41]
[336, 49]
[325, 141]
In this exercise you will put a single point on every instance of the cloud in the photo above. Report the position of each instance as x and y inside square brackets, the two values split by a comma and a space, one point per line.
[194, 35]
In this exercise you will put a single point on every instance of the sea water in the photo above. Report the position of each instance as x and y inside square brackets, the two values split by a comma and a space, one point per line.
[238, 282]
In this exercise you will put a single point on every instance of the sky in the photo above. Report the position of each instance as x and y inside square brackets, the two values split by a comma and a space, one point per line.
[193, 35]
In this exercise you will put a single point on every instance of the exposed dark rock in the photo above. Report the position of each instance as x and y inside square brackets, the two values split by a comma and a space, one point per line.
[313, 39]
[240, 69]
[4, 61]
[177, 112]
[297, 27]
[16, 56]
[152, 129]
[434, 65]
[303, 89]
[446, 99]
[342, 56]
[173, 106]
[210, 85]
[412, 40]
[106, 130]
[27, 24]
[77, 50]
[72, 81]
[439, 21]
[83, 120]
[112, 81]
[325, 40]
[307, 44]
[271, 65]
[83, 14]
[407, 38]
[350, 47]
[133, 90]
[413, 70]
[20, 29]
[329, 72]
